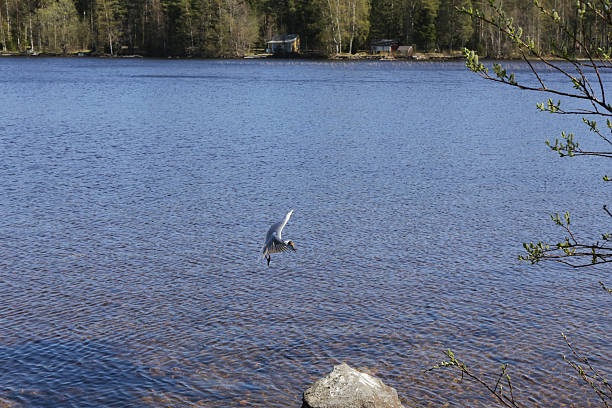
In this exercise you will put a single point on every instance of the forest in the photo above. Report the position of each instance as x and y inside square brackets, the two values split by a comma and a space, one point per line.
[234, 28]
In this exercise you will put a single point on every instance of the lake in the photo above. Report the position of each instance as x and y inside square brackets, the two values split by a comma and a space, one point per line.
[136, 195]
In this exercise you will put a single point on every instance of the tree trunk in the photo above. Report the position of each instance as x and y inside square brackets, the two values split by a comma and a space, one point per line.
[451, 27]
[575, 45]
[189, 22]
[8, 20]
[339, 31]
[91, 28]
[31, 33]
[333, 25]
[65, 36]
[2, 33]
[18, 24]
[144, 23]
[40, 35]
[352, 29]
[108, 27]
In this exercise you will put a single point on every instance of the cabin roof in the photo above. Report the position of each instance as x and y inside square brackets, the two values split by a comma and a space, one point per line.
[384, 43]
[283, 39]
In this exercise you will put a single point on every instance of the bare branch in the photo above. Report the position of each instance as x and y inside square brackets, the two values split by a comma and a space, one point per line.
[495, 391]
[591, 376]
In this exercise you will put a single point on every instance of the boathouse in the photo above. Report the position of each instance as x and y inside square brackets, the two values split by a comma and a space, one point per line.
[283, 44]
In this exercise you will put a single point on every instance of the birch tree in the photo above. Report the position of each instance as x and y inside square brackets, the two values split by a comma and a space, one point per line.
[58, 26]
[347, 22]
[334, 24]
[109, 14]
[359, 23]
[31, 31]
[239, 27]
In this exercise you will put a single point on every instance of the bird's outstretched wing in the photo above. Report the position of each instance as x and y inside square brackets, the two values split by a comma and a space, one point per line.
[284, 222]
[275, 245]
[277, 228]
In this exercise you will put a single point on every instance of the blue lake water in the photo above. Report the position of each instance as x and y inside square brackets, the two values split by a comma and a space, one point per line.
[136, 195]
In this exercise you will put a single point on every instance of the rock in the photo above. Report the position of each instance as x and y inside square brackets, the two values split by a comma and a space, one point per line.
[346, 387]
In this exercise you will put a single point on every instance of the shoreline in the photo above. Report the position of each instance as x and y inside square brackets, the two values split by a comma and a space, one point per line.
[303, 56]
[360, 57]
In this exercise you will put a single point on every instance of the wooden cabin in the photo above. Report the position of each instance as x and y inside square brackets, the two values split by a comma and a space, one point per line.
[383, 46]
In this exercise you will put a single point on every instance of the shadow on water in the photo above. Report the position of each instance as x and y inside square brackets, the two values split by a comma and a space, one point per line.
[52, 373]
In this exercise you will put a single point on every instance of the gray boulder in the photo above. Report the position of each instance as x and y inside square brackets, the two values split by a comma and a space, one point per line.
[346, 387]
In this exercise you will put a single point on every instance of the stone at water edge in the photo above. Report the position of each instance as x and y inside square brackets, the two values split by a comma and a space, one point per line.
[346, 387]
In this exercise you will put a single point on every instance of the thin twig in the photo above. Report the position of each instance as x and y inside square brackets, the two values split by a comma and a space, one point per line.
[533, 69]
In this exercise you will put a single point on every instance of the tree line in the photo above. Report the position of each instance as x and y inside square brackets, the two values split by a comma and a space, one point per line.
[226, 28]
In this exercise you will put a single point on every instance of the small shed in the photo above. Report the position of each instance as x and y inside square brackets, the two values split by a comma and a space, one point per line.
[383, 46]
[283, 44]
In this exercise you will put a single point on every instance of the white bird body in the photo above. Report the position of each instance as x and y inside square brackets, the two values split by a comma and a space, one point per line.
[274, 239]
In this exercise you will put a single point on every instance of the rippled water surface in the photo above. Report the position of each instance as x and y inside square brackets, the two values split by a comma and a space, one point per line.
[136, 194]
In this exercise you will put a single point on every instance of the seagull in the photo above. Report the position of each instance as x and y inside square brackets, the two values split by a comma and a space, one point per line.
[274, 241]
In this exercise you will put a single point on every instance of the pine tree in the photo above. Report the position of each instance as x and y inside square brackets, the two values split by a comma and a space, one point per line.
[425, 28]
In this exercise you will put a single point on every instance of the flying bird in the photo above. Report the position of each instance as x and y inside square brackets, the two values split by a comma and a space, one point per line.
[274, 241]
